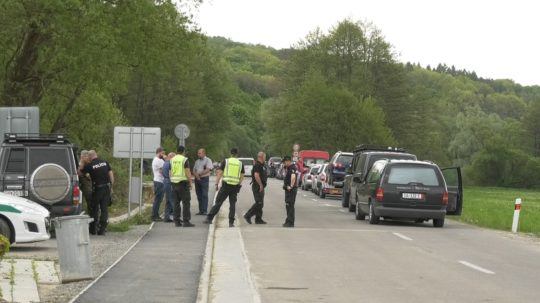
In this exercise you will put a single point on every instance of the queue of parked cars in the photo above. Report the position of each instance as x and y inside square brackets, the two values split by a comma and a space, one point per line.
[385, 182]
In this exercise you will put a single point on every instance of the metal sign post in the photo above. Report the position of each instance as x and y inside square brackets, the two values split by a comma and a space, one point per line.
[181, 131]
[136, 143]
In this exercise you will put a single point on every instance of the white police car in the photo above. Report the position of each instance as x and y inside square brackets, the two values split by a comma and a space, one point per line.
[22, 220]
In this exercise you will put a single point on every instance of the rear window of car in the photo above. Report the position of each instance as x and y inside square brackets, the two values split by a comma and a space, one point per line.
[17, 161]
[311, 161]
[406, 174]
[247, 162]
[345, 160]
[40, 156]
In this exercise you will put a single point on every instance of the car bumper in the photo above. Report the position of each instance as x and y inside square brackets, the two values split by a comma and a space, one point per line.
[65, 210]
[22, 226]
[406, 213]
[333, 191]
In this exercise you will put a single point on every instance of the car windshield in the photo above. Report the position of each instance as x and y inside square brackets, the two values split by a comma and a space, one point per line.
[344, 160]
[407, 174]
[247, 162]
[311, 161]
[314, 169]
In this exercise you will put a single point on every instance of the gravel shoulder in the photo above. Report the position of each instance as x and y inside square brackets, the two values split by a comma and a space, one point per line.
[105, 251]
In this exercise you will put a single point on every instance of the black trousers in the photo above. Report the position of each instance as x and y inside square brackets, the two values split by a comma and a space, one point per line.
[290, 199]
[181, 198]
[257, 208]
[101, 198]
[226, 191]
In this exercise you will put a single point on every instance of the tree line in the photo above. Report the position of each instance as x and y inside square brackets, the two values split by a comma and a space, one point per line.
[92, 65]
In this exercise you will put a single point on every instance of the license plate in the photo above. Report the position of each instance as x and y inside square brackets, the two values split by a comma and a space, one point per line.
[335, 191]
[16, 193]
[412, 196]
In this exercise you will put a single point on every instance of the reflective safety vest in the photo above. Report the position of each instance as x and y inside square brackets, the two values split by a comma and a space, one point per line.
[178, 172]
[232, 171]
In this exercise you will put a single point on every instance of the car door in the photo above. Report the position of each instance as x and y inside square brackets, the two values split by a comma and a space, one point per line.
[452, 176]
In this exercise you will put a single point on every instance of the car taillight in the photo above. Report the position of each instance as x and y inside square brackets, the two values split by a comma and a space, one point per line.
[76, 195]
[338, 165]
[379, 194]
[445, 198]
[323, 177]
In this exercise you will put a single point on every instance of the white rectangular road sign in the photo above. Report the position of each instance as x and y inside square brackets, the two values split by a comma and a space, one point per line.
[127, 142]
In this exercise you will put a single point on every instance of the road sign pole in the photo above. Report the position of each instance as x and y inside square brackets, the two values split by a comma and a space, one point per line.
[142, 161]
[130, 169]
[517, 209]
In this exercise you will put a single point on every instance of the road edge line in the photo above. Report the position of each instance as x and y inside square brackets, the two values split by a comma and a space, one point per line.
[112, 265]
[476, 267]
[252, 283]
[203, 290]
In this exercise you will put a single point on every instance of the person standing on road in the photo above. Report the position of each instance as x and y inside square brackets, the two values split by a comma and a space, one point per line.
[167, 188]
[181, 188]
[201, 170]
[258, 184]
[290, 187]
[85, 183]
[157, 170]
[232, 173]
[102, 182]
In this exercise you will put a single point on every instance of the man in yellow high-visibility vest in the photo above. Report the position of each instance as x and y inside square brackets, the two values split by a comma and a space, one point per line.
[231, 173]
[180, 176]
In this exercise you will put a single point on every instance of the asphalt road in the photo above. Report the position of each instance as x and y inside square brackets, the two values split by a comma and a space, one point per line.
[331, 257]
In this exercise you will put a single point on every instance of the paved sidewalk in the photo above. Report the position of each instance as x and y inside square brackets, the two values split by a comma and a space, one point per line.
[165, 266]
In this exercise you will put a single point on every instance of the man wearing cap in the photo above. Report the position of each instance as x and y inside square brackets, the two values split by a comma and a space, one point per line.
[232, 173]
[159, 188]
[258, 183]
[290, 187]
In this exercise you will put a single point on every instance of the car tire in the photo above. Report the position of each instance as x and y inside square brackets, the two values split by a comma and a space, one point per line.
[438, 222]
[5, 230]
[345, 199]
[371, 216]
[359, 214]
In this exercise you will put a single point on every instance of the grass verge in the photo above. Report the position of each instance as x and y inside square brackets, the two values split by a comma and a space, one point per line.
[494, 208]
[138, 219]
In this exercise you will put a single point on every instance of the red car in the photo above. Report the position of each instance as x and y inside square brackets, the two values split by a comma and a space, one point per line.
[306, 158]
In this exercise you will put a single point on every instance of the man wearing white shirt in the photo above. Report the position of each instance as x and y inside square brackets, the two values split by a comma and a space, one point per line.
[157, 170]
[202, 170]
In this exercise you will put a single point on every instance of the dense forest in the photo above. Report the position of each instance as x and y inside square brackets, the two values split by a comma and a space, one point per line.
[92, 65]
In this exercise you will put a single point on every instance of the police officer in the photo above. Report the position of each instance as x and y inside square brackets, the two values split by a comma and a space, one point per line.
[181, 187]
[290, 187]
[258, 184]
[232, 173]
[102, 181]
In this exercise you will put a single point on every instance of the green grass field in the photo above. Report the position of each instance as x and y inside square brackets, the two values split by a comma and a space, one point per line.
[494, 208]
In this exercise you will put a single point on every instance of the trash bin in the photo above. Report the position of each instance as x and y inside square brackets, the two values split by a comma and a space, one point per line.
[73, 241]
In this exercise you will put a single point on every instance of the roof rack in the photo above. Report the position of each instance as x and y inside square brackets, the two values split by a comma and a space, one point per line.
[367, 147]
[50, 138]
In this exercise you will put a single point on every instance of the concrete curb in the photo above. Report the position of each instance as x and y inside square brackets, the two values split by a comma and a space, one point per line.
[125, 216]
[112, 265]
[204, 281]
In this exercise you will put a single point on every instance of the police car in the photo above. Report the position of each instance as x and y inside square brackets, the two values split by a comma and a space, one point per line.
[22, 220]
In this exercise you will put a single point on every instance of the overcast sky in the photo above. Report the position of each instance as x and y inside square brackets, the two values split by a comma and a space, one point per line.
[497, 39]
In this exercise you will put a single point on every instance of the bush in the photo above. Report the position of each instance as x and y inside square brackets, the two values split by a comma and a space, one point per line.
[504, 167]
[4, 246]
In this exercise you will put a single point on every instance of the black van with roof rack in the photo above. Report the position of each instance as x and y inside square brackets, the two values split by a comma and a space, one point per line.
[363, 159]
[43, 169]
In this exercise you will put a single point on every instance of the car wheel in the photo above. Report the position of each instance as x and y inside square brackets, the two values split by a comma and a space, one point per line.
[345, 199]
[372, 218]
[438, 222]
[5, 230]
[359, 214]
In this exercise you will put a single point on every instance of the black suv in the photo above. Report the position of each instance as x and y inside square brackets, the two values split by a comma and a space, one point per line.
[337, 168]
[41, 168]
[363, 159]
[407, 189]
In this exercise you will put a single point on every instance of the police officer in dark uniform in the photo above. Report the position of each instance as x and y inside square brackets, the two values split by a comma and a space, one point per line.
[258, 184]
[290, 186]
[102, 181]
[231, 172]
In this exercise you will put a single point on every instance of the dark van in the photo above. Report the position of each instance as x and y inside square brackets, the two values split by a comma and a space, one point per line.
[407, 189]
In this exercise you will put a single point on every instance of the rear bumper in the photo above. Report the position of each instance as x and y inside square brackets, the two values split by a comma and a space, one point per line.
[65, 210]
[332, 191]
[405, 213]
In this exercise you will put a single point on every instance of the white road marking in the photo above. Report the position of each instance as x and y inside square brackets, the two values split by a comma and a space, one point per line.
[343, 211]
[330, 205]
[476, 267]
[315, 200]
[402, 236]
